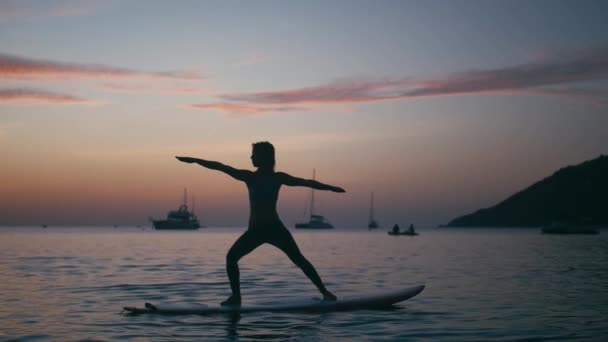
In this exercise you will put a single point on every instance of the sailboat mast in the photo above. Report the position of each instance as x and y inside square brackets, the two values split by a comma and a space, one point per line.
[312, 195]
[193, 203]
[371, 209]
[185, 197]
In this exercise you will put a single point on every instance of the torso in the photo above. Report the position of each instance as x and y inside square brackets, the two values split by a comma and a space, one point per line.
[263, 196]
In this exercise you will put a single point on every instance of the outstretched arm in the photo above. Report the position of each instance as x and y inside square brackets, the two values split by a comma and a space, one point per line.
[241, 175]
[295, 181]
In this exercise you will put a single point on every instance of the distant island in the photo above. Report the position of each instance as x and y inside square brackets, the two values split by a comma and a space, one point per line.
[574, 194]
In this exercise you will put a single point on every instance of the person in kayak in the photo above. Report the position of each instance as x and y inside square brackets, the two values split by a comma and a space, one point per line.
[396, 229]
[265, 226]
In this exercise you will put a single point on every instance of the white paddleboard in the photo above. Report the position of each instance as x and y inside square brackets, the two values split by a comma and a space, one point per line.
[346, 303]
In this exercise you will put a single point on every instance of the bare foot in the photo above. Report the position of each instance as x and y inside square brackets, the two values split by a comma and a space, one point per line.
[150, 306]
[328, 296]
[232, 300]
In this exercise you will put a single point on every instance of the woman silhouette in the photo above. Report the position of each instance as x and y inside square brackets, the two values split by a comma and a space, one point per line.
[265, 226]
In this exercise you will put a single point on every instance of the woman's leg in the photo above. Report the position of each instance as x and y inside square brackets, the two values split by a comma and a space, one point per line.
[241, 247]
[284, 241]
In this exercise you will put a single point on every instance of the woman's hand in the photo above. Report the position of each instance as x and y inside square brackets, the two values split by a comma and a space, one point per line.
[186, 159]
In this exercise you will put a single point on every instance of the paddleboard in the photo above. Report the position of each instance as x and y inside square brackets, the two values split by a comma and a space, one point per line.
[312, 305]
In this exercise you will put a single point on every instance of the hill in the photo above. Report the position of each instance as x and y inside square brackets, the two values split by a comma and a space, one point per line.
[576, 194]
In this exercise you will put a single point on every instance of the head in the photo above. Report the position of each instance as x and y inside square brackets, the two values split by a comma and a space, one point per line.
[262, 155]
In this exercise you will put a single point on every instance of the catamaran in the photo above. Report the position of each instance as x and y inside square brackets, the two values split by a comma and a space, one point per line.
[316, 221]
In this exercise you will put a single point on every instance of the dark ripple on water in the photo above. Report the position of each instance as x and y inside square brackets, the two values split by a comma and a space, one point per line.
[504, 285]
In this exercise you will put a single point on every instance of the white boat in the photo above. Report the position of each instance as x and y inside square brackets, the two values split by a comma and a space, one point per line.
[180, 219]
[315, 221]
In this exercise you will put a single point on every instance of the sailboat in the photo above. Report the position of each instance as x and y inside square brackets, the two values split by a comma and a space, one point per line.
[316, 221]
[373, 224]
[180, 219]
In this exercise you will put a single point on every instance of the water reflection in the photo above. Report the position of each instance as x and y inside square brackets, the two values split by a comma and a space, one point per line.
[277, 327]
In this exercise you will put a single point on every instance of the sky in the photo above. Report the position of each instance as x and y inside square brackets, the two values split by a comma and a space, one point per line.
[438, 107]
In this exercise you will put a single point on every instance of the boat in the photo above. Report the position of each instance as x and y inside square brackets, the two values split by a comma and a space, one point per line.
[564, 228]
[403, 233]
[180, 219]
[373, 224]
[395, 231]
[315, 221]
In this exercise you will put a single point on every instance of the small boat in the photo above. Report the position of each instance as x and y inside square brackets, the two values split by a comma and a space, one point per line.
[180, 219]
[410, 231]
[373, 224]
[563, 228]
[403, 233]
[316, 221]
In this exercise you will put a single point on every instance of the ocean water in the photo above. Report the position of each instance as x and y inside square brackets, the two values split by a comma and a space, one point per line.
[70, 284]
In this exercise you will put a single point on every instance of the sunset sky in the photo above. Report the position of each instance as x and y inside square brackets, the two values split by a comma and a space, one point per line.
[439, 107]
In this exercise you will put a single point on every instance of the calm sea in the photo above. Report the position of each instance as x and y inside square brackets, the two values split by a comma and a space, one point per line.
[69, 284]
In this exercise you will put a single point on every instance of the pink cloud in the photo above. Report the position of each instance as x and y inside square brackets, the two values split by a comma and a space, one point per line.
[597, 96]
[191, 90]
[564, 68]
[336, 92]
[15, 67]
[235, 109]
[140, 88]
[35, 96]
